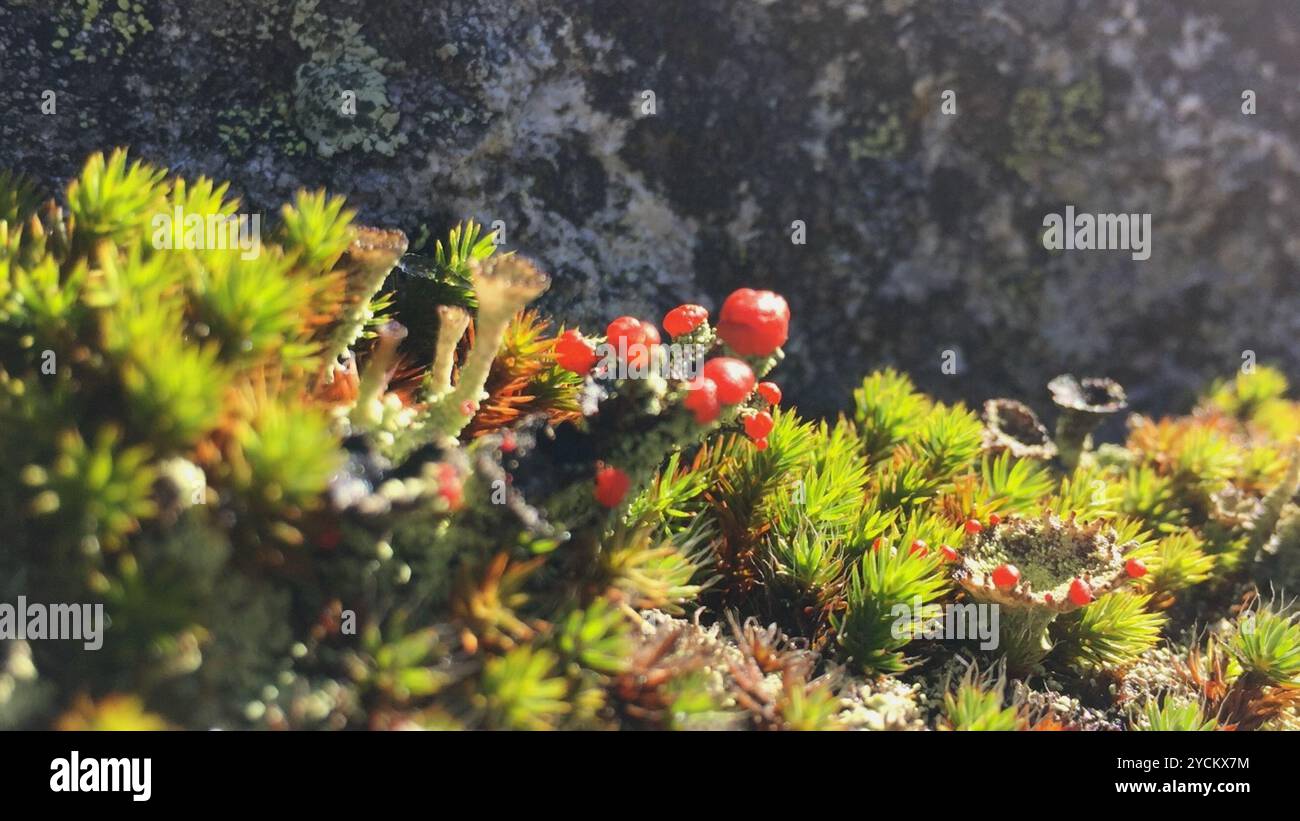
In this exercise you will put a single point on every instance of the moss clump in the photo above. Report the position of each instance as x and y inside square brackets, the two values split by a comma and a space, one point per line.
[298, 514]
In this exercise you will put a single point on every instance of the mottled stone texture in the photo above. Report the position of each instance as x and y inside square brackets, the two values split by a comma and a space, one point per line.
[923, 229]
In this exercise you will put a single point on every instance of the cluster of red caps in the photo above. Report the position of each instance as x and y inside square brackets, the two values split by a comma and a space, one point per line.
[751, 323]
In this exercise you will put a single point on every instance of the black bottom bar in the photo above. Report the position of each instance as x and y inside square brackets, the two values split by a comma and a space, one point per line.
[330, 771]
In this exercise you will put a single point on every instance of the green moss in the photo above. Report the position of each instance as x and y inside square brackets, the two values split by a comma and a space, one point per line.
[291, 532]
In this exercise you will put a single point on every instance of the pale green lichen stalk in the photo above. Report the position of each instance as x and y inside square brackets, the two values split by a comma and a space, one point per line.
[370, 259]
[368, 412]
[453, 321]
[504, 286]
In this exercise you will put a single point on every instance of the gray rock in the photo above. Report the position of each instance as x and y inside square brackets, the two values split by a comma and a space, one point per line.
[923, 228]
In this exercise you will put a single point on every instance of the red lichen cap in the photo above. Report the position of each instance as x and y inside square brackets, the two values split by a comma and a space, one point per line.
[1080, 593]
[575, 354]
[754, 323]
[632, 338]
[770, 391]
[449, 487]
[734, 379]
[685, 318]
[612, 485]
[759, 425]
[702, 399]
[1005, 576]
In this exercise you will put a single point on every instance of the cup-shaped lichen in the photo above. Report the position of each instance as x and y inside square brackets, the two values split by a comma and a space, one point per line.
[366, 264]
[1035, 569]
[1012, 426]
[453, 321]
[1084, 404]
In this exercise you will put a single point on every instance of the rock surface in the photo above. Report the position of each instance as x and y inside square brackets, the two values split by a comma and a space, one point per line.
[923, 228]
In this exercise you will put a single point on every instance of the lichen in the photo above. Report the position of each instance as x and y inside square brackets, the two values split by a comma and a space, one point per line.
[92, 30]
[1053, 123]
[345, 105]
[340, 97]
[241, 128]
[1013, 427]
[883, 138]
[1051, 561]
[1050, 553]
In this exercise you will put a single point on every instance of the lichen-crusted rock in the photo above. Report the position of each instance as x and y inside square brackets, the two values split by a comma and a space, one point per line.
[923, 228]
